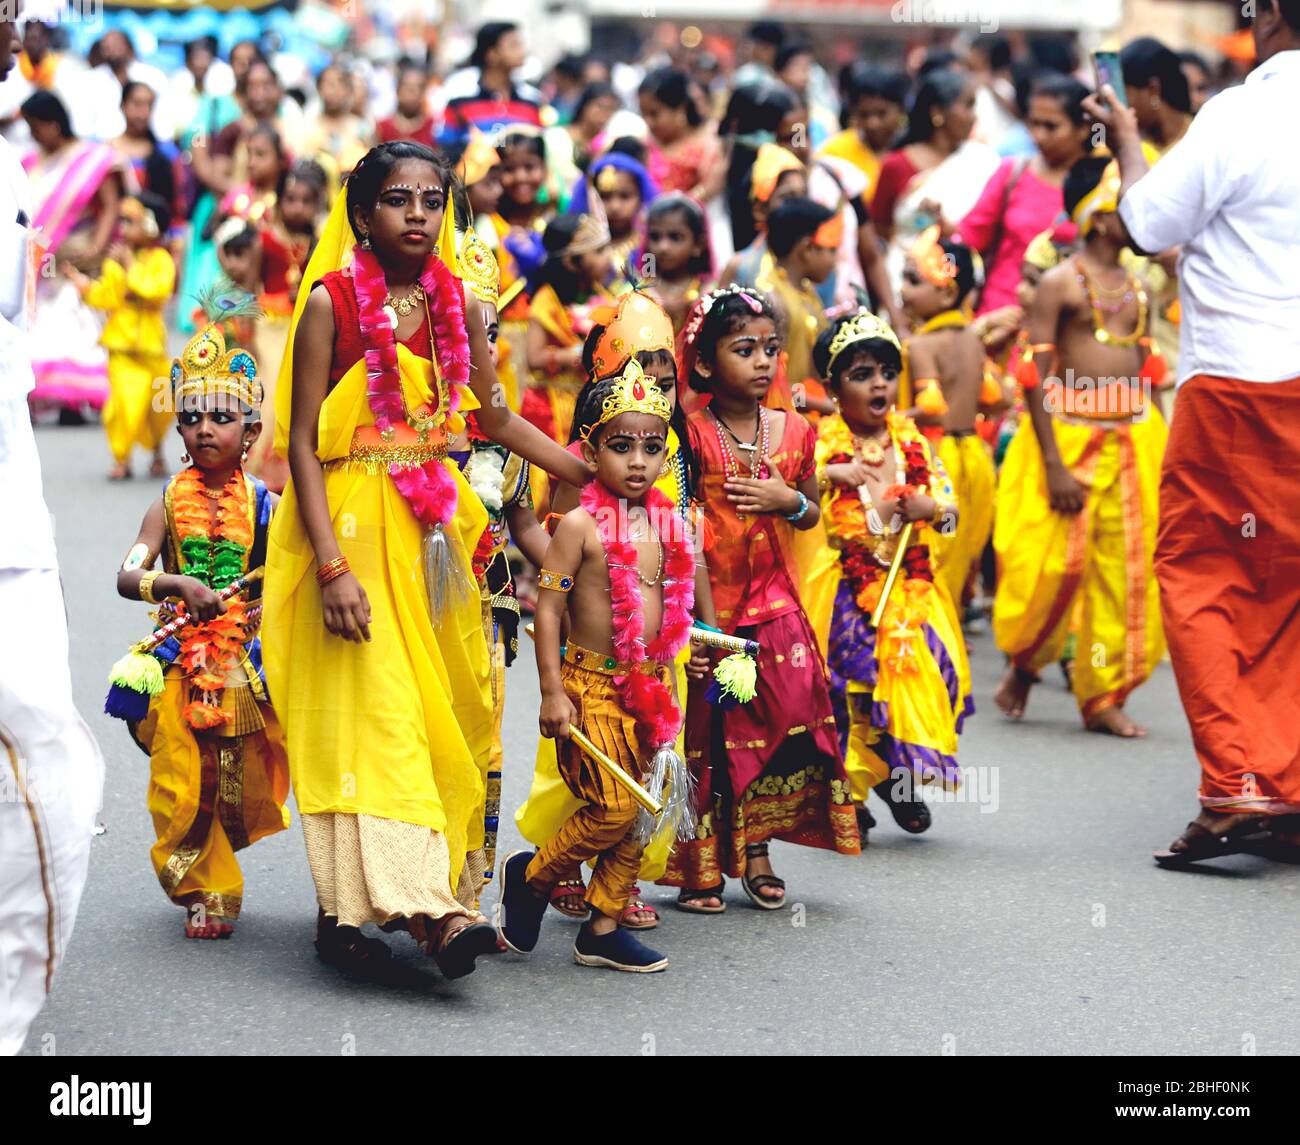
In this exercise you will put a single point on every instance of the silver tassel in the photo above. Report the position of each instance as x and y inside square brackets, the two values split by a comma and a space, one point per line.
[446, 578]
[669, 774]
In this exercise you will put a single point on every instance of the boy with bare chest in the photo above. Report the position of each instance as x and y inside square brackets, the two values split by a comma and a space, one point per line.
[1078, 491]
[623, 569]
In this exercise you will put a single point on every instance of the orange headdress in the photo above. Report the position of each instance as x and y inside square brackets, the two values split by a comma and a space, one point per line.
[770, 164]
[636, 325]
[934, 263]
[831, 232]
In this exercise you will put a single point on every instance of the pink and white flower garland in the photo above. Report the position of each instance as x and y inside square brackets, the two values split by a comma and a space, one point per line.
[644, 696]
[429, 489]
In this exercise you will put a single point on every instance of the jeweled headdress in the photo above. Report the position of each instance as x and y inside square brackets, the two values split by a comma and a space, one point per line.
[206, 366]
[478, 158]
[1102, 199]
[934, 263]
[477, 266]
[861, 327]
[637, 324]
[631, 394]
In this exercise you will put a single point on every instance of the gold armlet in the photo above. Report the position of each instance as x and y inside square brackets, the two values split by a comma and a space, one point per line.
[557, 582]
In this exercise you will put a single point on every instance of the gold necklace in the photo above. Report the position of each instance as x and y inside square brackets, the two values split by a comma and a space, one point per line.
[404, 306]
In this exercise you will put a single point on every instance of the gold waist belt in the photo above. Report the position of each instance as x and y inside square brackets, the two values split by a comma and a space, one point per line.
[370, 453]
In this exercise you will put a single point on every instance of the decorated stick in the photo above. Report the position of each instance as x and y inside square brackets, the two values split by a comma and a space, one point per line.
[639, 793]
[897, 563]
[592, 752]
[138, 675]
[708, 637]
[234, 588]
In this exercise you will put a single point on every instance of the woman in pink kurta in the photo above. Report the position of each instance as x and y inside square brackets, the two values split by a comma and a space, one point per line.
[1025, 196]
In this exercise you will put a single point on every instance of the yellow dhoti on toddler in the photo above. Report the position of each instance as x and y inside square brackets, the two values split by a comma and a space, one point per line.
[1101, 556]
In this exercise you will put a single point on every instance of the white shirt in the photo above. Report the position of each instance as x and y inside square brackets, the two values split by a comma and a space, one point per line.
[1229, 193]
[26, 532]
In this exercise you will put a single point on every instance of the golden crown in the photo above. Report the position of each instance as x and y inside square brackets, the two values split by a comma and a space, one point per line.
[590, 234]
[860, 328]
[207, 367]
[632, 394]
[477, 266]
[638, 324]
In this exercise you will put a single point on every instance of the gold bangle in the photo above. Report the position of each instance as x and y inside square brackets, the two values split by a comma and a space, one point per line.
[559, 582]
[332, 570]
[823, 480]
[146, 586]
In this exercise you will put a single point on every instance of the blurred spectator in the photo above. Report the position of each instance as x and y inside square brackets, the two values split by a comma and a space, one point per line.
[875, 102]
[41, 68]
[759, 50]
[566, 86]
[1023, 197]
[794, 68]
[569, 146]
[937, 171]
[204, 74]
[155, 163]
[411, 119]
[335, 135]
[483, 94]
[1157, 91]
[119, 67]
[1199, 76]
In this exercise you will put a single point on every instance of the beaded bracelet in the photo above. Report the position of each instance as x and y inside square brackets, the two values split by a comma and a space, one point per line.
[797, 515]
[332, 570]
[146, 586]
[560, 582]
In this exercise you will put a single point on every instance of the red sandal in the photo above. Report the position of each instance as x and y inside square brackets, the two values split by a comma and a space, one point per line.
[570, 889]
[635, 905]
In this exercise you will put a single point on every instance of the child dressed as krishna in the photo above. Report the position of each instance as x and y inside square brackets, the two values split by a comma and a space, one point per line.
[194, 693]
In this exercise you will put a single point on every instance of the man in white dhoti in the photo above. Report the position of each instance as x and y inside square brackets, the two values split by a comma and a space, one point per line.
[51, 772]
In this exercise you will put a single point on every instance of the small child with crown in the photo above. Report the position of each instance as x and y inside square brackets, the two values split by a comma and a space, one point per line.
[623, 567]
[193, 693]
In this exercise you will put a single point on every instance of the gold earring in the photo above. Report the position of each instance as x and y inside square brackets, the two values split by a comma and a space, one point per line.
[937, 120]
[185, 458]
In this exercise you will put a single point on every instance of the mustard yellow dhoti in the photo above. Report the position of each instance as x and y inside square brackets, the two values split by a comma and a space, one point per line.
[209, 796]
[1102, 556]
[550, 801]
[396, 728]
[970, 466]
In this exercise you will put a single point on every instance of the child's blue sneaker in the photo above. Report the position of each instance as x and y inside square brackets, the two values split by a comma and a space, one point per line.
[619, 950]
[520, 922]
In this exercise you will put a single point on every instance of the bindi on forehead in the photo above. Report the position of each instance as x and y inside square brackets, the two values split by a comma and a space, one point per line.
[412, 178]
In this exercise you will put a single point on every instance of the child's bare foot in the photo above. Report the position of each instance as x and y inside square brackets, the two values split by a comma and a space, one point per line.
[120, 472]
[157, 467]
[1116, 722]
[213, 927]
[1013, 691]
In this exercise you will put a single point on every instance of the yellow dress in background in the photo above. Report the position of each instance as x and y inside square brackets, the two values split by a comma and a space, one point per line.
[135, 337]
[394, 730]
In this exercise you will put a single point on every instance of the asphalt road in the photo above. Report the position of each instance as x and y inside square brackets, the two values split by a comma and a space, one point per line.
[1029, 920]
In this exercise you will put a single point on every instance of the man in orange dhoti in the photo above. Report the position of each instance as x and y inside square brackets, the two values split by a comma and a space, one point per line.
[1228, 549]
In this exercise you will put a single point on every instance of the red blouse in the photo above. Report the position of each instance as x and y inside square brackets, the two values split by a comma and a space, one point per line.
[348, 350]
[751, 566]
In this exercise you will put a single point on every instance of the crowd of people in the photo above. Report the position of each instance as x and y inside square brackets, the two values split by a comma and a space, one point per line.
[760, 396]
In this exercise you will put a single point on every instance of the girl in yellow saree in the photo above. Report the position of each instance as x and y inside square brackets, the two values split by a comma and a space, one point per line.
[380, 667]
